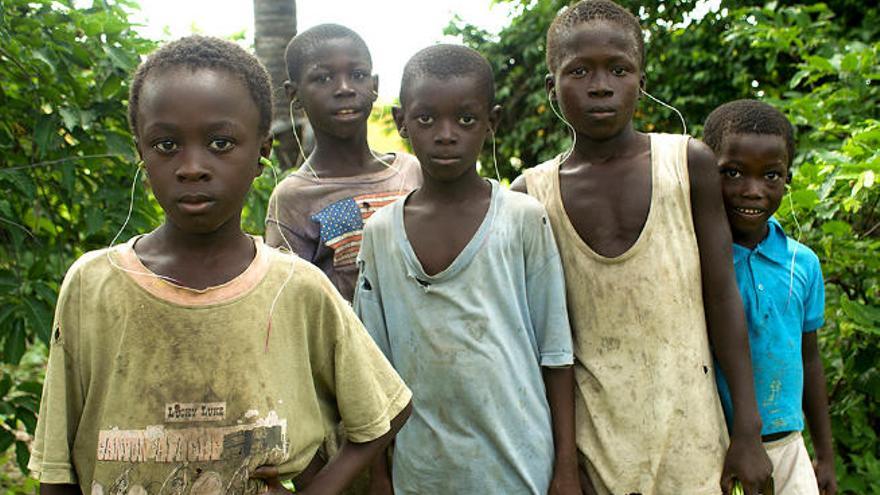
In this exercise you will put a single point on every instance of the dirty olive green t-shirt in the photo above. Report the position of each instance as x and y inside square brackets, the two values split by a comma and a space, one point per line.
[156, 388]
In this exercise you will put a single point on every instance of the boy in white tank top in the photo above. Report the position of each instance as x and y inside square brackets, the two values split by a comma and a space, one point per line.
[640, 228]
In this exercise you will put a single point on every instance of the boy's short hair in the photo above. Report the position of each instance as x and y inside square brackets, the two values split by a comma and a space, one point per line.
[592, 10]
[444, 61]
[747, 117]
[296, 53]
[206, 52]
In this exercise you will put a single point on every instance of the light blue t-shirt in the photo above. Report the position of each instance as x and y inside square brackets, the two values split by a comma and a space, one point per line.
[470, 342]
[781, 303]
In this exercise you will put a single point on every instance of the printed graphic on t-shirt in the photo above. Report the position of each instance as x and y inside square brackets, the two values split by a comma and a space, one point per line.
[342, 224]
[196, 459]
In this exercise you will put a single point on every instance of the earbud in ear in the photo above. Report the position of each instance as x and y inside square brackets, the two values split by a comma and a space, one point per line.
[265, 161]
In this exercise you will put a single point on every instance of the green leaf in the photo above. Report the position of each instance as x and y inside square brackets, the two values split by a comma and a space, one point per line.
[33, 388]
[805, 198]
[850, 63]
[43, 57]
[13, 348]
[22, 455]
[6, 440]
[120, 58]
[45, 133]
[111, 86]
[867, 317]
[5, 385]
[837, 228]
[70, 117]
[28, 417]
[39, 318]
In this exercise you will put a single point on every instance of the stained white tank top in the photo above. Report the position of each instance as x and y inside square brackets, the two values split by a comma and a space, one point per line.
[649, 420]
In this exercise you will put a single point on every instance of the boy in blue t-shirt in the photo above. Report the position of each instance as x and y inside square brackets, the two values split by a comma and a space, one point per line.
[461, 286]
[781, 285]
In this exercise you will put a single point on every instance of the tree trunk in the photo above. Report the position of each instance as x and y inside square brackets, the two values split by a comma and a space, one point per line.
[274, 26]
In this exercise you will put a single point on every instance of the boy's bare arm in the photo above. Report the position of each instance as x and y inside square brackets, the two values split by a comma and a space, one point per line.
[559, 383]
[746, 459]
[816, 412]
[342, 470]
[380, 476]
[519, 185]
[59, 489]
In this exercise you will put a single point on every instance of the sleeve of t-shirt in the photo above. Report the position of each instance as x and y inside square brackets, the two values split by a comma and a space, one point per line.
[369, 393]
[62, 400]
[814, 307]
[284, 223]
[545, 285]
[367, 298]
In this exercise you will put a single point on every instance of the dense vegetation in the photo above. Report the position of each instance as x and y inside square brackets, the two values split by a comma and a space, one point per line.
[820, 63]
[66, 176]
[68, 162]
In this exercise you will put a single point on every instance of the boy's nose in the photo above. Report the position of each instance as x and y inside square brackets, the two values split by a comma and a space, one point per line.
[752, 189]
[599, 87]
[344, 88]
[192, 168]
[445, 134]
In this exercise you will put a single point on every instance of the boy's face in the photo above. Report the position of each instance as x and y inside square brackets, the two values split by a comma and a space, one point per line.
[197, 134]
[446, 122]
[754, 170]
[598, 78]
[336, 87]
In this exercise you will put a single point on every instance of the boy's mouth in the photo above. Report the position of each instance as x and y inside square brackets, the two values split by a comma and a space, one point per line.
[749, 212]
[194, 203]
[445, 160]
[601, 112]
[347, 113]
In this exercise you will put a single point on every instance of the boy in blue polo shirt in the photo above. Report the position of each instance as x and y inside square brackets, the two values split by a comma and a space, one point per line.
[781, 285]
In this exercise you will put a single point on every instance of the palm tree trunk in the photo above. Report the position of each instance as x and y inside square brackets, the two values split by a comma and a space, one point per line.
[274, 26]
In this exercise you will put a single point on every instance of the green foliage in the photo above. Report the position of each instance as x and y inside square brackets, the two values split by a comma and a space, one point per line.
[820, 63]
[68, 163]
[67, 168]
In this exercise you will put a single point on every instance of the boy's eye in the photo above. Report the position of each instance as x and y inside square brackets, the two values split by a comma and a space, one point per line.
[773, 176]
[579, 72]
[424, 119]
[466, 120]
[730, 173]
[221, 144]
[323, 78]
[358, 75]
[618, 71]
[165, 146]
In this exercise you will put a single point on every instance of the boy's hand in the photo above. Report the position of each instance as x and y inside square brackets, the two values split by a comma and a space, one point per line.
[825, 477]
[565, 482]
[269, 474]
[747, 462]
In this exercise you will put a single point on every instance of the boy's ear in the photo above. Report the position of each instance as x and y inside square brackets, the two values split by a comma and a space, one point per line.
[550, 86]
[398, 114]
[494, 117]
[375, 87]
[788, 176]
[643, 82]
[291, 88]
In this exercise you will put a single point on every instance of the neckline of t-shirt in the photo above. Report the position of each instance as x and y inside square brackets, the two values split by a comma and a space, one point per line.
[643, 235]
[397, 166]
[414, 266]
[169, 292]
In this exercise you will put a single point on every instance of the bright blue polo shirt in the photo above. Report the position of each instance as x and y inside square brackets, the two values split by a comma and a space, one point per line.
[783, 300]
